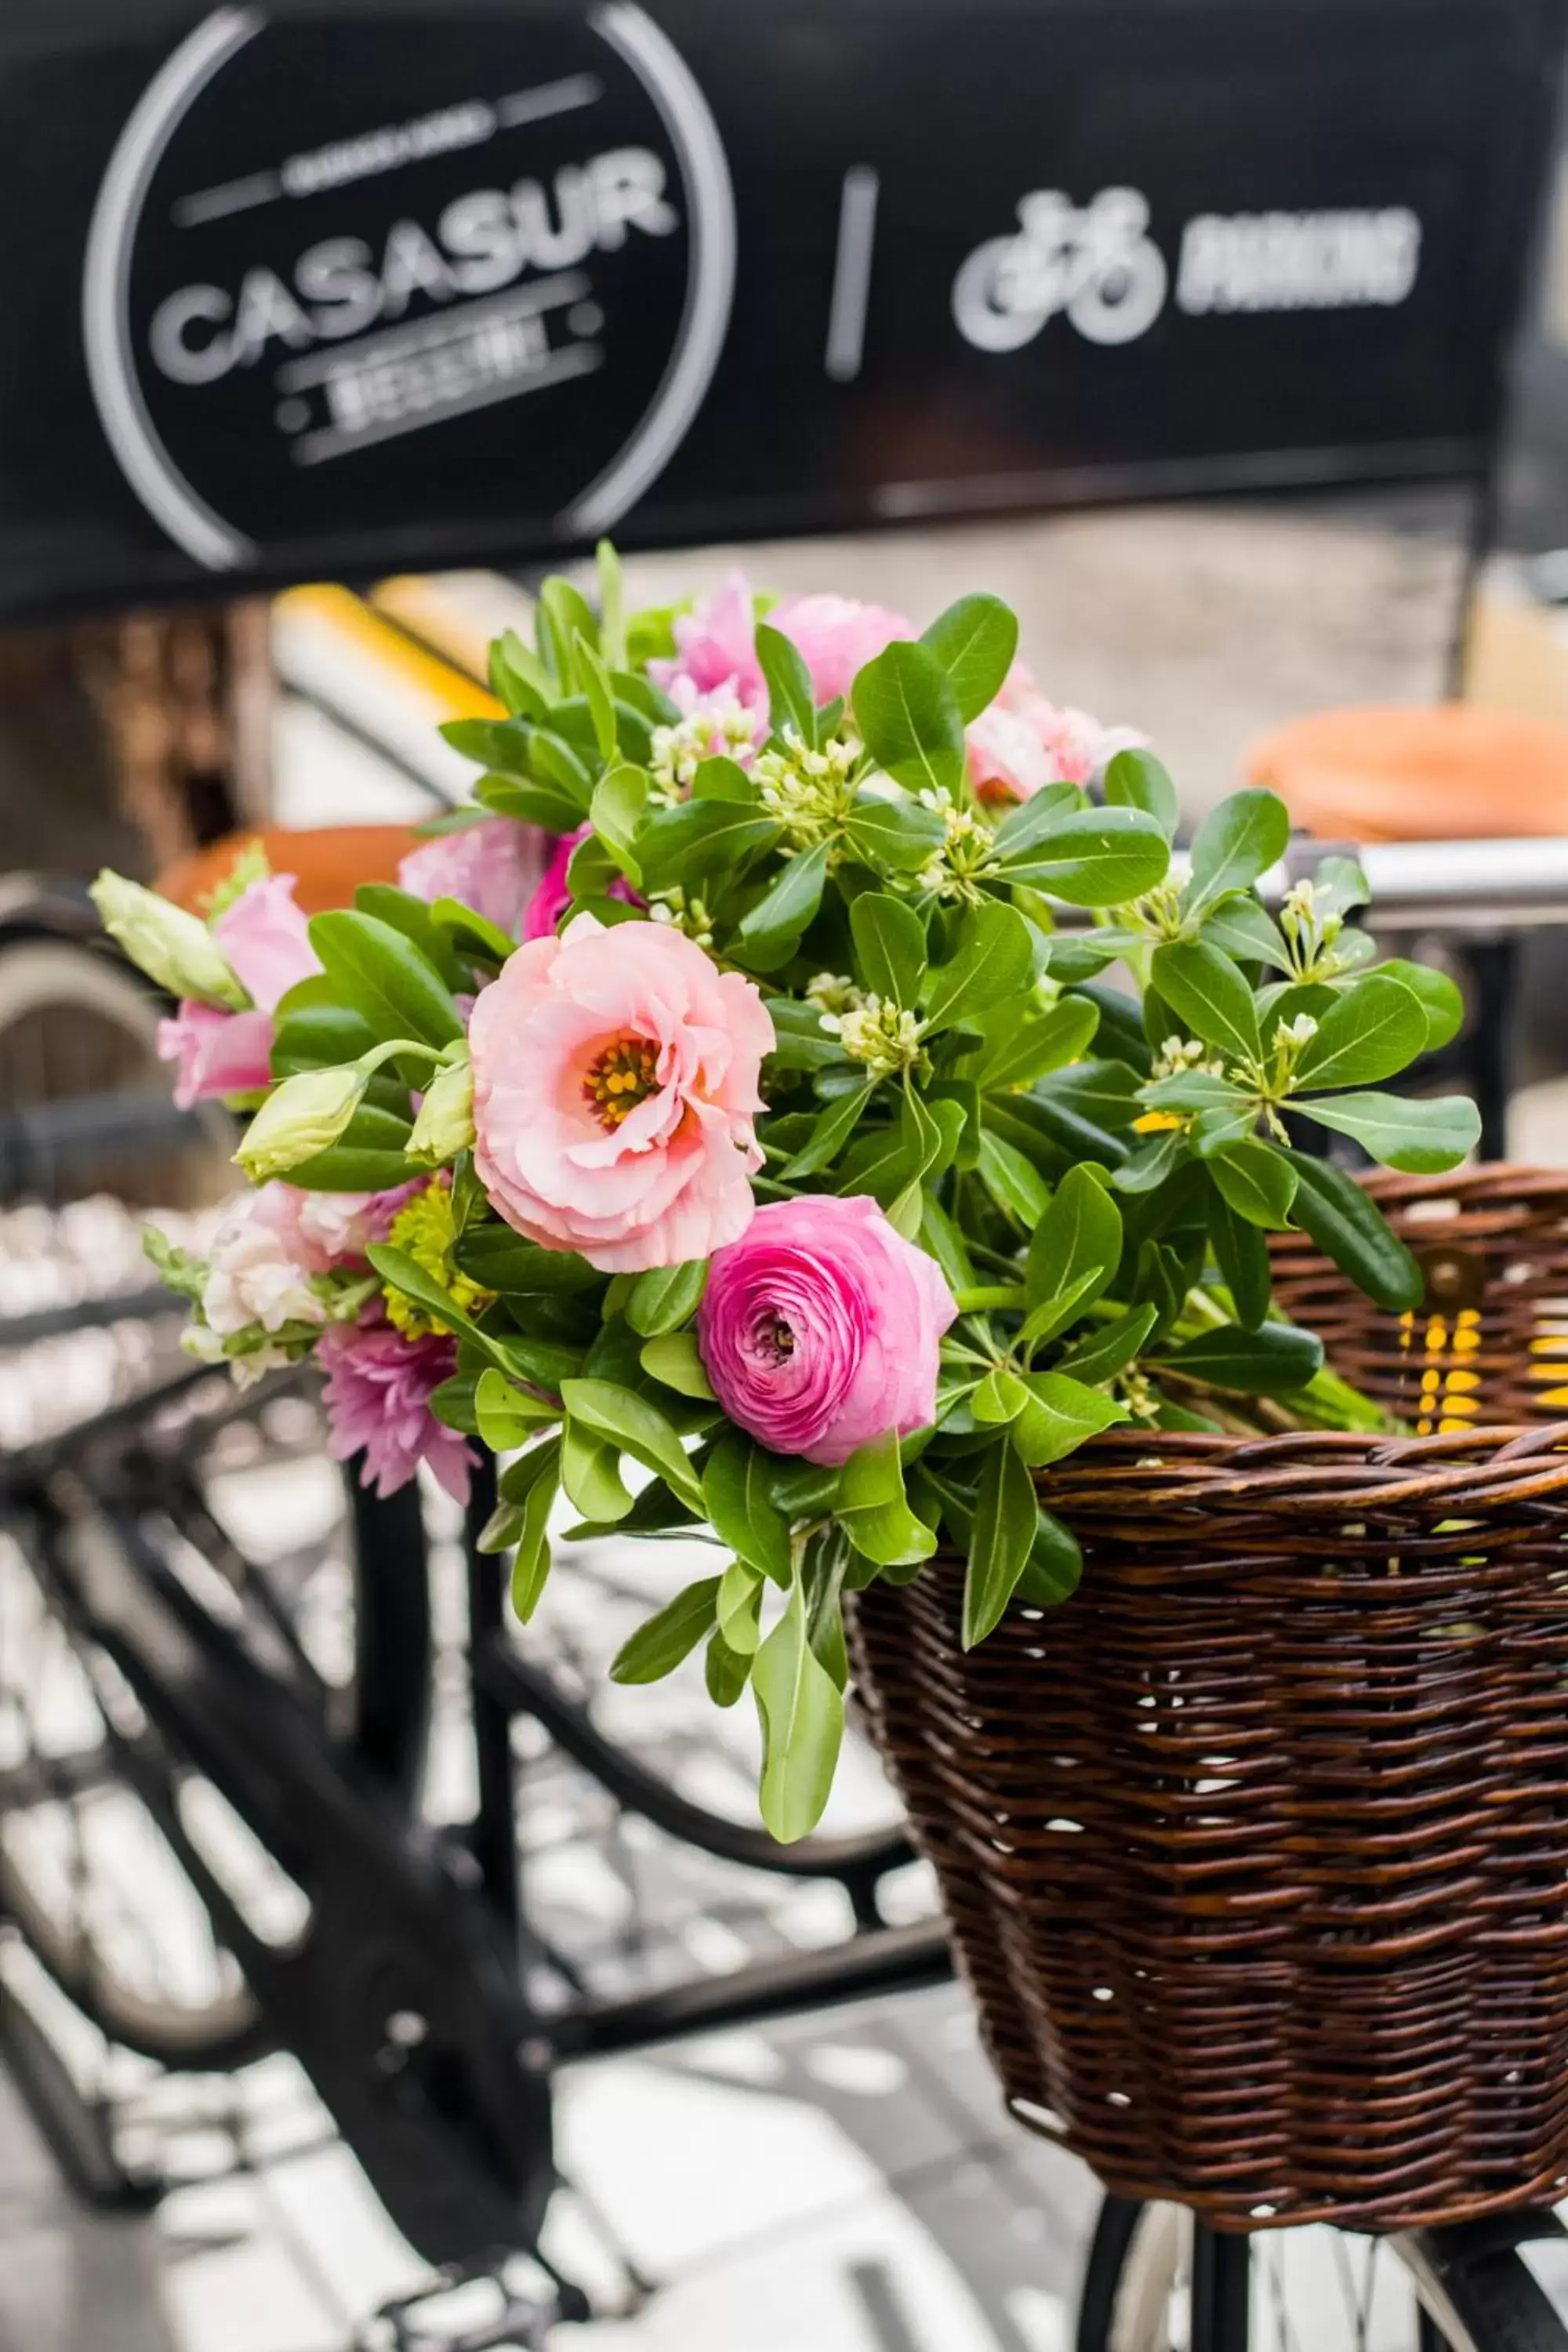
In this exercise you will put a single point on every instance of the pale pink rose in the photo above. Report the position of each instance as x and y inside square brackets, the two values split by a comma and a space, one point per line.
[266, 940]
[1023, 742]
[338, 1227]
[716, 647]
[494, 867]
[552, 899]
[819, 1328]
[615, 1090]
[835, 637]
[377, 1395]
[218, 1053]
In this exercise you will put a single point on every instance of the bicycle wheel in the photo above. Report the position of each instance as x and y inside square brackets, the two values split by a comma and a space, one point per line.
[255, 1523]
[1321, 2290]
[87, 1102]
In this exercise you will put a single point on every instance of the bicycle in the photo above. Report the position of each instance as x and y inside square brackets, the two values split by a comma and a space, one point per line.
[1098, 265]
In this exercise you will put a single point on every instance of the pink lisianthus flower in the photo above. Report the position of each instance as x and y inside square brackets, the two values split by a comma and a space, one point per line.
[820, 1328]
[1023, 742]
[266, 942]
[716, 643]
[835, 637]
[716, 648]
[377, 1394]
[552, 897]
[495, 867]
[218, 1053]
[615, 1090]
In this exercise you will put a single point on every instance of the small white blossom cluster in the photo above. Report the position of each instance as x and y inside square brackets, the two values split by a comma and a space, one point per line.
[720, 728]
[1179, 1055]
[807, 791]
[683, 914]
[966, 850]
[884, 1039]
[833, 992]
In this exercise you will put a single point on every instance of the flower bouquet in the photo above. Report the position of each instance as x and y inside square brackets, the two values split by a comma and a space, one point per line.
[728, 1121]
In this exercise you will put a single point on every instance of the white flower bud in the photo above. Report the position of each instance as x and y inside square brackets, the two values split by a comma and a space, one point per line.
[303, 1116]
[446, 1122]
[173, 947]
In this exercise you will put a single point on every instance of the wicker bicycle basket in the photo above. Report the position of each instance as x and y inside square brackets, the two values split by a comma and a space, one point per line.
[1255, 1854]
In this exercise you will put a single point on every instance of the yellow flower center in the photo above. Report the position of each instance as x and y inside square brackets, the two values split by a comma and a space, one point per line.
[425, 1227]
[621, 1076]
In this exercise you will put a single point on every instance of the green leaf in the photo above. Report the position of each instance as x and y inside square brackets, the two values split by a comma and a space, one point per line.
[563, 615]
[1257, 1180]
[908, 716]
[384, 976]
[1338, 884]
[1440, 1000]
[1152, 1164]
[1208, 997]
[601, 702]
[534, 802]
[518, 677]
[873, 1511]
[1246, 931]
[1196, 1090]
[702, 837]
[1018, 1051]
[506, 1416]
[739, 1597]
[725, 1671]
[1242, 1255]
[1235, 843]
[1034, 820]
[1351, 1230]
[657, 1647]
[1421, 1137]
[354, 1169]
[992, 962]
[1000, 1398]
[1000, 1541]
[1104, 1353]
[1099, 857]
[974, 643]
[404, 912]
[453, 1403]
[612, 621]
[498, 743]
[639, 1427]
[405, 1274]
[620, 802]
[531, 1564]
[721, 778]
[1061, 1413]
[829, 1135]
[891, 836]
[498, 1259]
[1080, 1235]
[676, 1361]
[667, 1296]
[801, 1709]
[1054, 1567]
[890, 946]
[1271, 1362]
[1374, 1029]
[591, 1475]
[737, 1491]
[769, 932]
[1012, 1180]
[791, 702]
[1135, 778]
[314, 1030]
[473, 936]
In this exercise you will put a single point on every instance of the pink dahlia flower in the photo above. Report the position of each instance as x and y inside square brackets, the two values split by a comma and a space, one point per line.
[266, 942]
[615, 1090]
[835, 636]
[495, 867]
[552, 897]
[1024, 741]
[819, 1327]
[378, 1391]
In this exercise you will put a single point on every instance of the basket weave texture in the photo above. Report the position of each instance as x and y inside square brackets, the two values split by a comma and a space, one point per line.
[1255, 1852]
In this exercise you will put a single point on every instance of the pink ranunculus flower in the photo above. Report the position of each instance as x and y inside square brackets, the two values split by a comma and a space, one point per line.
[1023, 742]
[835, 636]
[615, 1090]
[495, 867]
[819, 1327]
[716, 647]
[266, 942]
[377, 1394]
[552, 897]
[218, 1053]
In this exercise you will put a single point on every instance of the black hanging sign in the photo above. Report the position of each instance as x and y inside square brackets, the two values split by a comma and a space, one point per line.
[311, 287]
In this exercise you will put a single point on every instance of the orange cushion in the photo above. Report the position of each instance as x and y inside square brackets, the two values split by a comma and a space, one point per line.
[1453, 772]
[330, 862]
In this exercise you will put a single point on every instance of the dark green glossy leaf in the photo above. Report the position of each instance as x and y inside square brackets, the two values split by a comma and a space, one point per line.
[908, 716]
[1421, 1137]
[1208, 997]
[1372, 1030]
[1257, 1180]
[384, 976]
[1271, 1362]
[974, 641]
[889, 946]
[1235, 843]
[1135, 778]
[1001, 1539]
[791, 701]
[657, 1647]
[1351, 1230]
